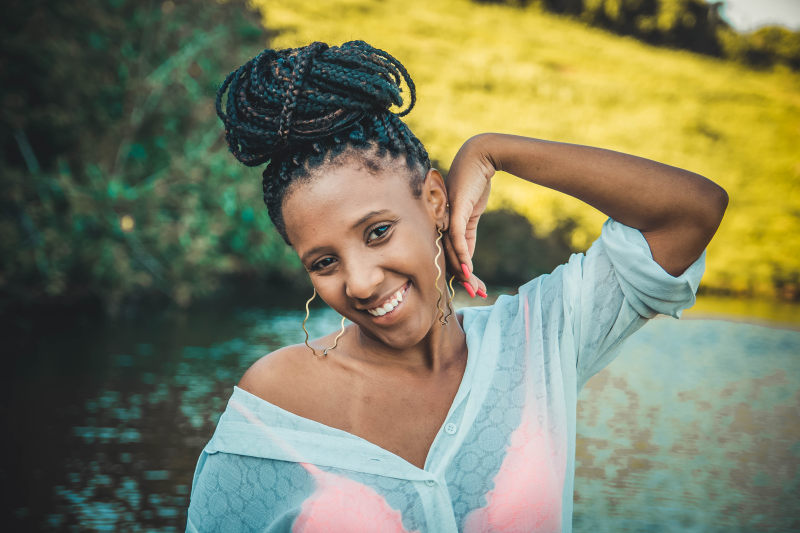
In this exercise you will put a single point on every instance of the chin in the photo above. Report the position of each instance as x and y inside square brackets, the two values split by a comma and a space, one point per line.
[401, 339]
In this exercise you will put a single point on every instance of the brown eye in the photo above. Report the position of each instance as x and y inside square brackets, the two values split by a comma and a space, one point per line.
[322, 263]
[378, 232]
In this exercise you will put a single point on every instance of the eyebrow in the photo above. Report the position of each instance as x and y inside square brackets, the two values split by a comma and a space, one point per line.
[358, 222]
[311, 252]
[368, 216]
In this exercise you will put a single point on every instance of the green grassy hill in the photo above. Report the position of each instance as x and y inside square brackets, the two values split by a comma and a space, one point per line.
[494, 68]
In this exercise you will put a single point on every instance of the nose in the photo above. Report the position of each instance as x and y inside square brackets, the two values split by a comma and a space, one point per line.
[363, 278]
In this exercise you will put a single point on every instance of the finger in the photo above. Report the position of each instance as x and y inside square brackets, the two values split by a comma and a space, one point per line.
[461, 270]
[468, 287]
[458, 235]
[477, 286]
[475, 282]
[480, 289]
[453, 264]
[472, 279]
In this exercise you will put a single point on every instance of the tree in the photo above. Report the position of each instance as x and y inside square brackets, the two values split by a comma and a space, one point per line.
[116, 178]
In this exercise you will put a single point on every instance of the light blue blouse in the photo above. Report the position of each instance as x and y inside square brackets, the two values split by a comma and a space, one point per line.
[504, 460]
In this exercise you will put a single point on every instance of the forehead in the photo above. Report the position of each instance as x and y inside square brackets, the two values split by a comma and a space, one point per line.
[336, 197]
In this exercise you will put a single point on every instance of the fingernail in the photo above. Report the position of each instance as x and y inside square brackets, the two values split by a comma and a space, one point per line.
[481, 293]
[469, 288]
[465, 270]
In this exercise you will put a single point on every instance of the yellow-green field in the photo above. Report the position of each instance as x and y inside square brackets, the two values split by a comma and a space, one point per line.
[492, 68]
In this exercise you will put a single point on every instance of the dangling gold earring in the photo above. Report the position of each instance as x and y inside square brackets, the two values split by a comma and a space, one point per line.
[335, 342]
[443, 319]
[450, 300]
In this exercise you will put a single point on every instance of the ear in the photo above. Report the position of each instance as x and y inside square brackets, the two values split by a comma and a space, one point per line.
[434, 195]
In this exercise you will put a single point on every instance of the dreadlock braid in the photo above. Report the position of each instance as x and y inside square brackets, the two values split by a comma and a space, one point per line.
[296, 108]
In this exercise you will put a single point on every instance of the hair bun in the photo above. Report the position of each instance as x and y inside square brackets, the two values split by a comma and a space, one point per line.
[298, 95]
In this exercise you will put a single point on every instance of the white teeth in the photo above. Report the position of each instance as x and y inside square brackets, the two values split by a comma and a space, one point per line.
[393, 302]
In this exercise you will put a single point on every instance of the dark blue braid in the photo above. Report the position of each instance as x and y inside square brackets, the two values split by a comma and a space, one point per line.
[300, 107]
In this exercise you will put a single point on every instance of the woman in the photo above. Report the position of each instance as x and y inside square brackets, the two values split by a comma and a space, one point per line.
[413, 418]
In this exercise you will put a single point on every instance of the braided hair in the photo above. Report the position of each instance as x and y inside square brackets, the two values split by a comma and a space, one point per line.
[300, 107]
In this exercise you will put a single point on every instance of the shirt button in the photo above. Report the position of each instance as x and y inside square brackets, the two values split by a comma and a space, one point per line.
[450, 428]
[430, 482]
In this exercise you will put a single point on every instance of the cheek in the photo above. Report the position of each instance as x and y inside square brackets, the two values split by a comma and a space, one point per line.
[421, 261]
[330, 290]
[415, 249]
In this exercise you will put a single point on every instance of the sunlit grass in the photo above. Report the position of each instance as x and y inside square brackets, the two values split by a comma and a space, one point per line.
[758, 310]
[493, 68]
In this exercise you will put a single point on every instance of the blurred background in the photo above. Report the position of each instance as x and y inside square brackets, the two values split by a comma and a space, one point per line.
[140, 275]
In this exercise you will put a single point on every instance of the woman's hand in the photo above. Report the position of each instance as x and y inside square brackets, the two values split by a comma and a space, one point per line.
[468, 186]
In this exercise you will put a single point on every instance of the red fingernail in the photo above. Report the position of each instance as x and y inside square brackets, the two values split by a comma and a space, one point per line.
[469, 288]
[481, 293]
[465, 270]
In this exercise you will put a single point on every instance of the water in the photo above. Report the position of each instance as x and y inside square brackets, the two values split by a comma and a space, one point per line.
[696, 426]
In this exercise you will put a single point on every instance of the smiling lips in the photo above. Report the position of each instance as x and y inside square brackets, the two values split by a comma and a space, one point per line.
[390, 304]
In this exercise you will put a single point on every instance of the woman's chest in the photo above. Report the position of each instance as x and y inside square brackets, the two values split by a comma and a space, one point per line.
[405, 424]
[505, 474]
[402, 416]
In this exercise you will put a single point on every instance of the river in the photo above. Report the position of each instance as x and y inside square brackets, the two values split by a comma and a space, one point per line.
[695, 427]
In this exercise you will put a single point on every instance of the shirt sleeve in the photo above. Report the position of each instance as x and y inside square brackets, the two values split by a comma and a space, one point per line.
[233, 492]
[611, 291]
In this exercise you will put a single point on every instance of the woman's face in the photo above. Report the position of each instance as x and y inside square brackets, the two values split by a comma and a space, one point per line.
[369, 246]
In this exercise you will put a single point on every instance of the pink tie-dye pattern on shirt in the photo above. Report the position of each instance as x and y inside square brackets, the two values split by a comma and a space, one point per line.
[341, 504]
[338, 503]
[528, 488]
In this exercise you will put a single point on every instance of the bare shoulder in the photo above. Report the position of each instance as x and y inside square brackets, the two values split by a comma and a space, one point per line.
[297, 381]
[268, 376]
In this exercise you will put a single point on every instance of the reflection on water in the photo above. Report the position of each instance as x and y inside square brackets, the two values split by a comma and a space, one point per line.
[694, 427]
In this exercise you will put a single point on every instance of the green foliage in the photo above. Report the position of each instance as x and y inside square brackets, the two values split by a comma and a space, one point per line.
[116, 179]
[117, 182]
[694, 25]
[510, 253]
[765, 47]
[689, 24]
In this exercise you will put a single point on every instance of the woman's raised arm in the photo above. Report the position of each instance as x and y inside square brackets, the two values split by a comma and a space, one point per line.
[677, 211]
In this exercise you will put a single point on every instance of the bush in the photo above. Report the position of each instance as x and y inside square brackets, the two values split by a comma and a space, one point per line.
[688, 24]
[509, 253]
[116, 179]
[763, 48]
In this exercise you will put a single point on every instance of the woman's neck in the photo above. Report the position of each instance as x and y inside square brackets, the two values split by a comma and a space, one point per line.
[443, 346]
